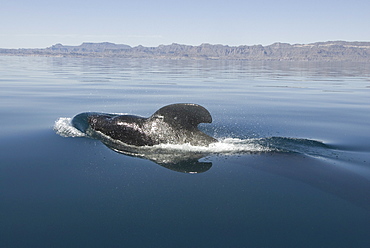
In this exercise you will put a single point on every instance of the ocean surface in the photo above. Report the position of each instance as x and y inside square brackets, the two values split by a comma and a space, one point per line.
[291, 168]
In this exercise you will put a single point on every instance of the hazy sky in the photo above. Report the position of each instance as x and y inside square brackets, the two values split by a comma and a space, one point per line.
[42, 23]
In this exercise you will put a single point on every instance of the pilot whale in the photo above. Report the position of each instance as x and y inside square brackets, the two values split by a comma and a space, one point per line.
[171, 124]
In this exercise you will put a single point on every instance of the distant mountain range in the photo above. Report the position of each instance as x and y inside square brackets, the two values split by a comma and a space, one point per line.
[319, 51]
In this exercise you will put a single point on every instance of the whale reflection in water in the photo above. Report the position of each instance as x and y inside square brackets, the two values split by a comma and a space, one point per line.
[174, 159]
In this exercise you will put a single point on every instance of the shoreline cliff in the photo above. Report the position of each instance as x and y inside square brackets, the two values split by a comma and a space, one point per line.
[319, 51]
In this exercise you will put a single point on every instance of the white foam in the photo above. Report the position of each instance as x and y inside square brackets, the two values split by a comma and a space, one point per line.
[227, 145]
[64, 128]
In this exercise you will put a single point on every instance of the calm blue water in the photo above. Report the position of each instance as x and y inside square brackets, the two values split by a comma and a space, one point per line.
[292, 168]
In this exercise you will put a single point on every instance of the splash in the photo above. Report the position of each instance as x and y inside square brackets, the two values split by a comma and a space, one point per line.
[64, 128]
[224, 146]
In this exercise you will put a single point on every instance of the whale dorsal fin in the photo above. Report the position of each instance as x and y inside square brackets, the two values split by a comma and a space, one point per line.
[187, 115]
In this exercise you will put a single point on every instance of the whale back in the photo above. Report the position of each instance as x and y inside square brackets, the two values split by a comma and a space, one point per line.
[185, 115]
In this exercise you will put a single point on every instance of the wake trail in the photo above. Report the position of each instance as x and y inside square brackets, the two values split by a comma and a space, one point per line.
[225, 146]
